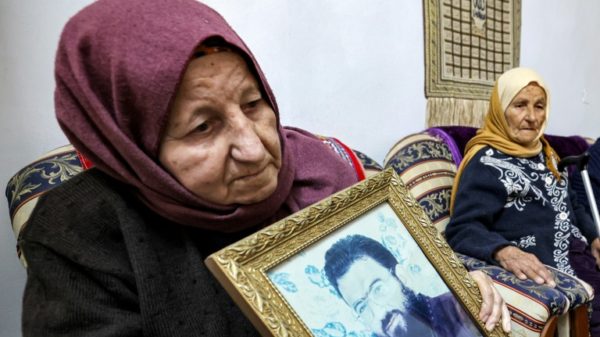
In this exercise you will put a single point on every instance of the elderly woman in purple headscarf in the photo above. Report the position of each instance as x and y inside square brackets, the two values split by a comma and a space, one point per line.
[189, 155]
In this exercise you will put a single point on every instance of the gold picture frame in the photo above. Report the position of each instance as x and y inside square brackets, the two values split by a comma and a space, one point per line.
[276, 275]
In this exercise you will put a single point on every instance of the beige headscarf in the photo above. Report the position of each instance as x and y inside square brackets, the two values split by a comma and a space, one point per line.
[495, 133]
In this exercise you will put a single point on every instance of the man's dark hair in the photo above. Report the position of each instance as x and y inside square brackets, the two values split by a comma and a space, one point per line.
[342, 254]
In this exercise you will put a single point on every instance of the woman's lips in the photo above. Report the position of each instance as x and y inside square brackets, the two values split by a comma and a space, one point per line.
[251, 175]
[529, 129]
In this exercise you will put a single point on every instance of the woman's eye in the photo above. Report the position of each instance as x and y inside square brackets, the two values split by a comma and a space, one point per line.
[202, 127]
[251, 105]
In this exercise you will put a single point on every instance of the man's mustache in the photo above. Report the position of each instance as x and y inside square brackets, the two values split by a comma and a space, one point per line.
[387, 319]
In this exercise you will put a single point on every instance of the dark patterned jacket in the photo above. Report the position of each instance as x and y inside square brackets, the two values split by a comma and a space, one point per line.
[502, 200]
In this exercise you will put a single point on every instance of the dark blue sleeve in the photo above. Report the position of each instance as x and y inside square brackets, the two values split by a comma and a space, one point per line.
[583, 218]
[579, 199]
[480, 198]
[593, 172]
[594, 169]
[578, 189]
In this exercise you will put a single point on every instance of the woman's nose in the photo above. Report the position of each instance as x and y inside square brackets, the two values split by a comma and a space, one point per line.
[530, 114]
[246, 144]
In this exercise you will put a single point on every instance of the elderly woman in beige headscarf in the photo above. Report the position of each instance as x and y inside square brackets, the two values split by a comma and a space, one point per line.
[510, 205]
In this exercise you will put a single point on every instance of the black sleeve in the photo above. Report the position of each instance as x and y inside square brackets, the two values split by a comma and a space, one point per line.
[480, 197]
[578, 190]
[593, 170]
[583, 218]
[63, 298]
[79, 278]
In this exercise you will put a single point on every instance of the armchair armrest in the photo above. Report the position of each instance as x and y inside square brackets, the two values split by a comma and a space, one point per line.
[26, 187]
[531, 304]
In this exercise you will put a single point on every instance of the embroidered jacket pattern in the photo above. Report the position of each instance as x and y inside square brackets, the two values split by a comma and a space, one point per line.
[503, 200]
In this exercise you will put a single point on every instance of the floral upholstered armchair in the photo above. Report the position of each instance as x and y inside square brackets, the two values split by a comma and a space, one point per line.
[427, 163]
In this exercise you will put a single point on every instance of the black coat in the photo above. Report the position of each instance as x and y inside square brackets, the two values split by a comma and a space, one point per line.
[594, 175]
[100, 263]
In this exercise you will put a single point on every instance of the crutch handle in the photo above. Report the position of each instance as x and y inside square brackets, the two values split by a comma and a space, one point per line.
[580, 161]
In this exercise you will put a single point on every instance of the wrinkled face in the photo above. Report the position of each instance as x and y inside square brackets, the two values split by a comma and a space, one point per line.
[526, 115]
[375, 295]
[221, 140]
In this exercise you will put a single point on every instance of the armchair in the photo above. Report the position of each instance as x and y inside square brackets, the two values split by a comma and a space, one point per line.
[427, 163]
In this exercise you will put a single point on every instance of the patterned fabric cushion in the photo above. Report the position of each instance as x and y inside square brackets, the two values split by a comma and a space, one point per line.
[370, 165]
[426, 162]
[363, 165]
[426, 166]
[25, 187]
[530, 304]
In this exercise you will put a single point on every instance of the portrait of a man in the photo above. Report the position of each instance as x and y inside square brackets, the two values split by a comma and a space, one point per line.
[367, 277]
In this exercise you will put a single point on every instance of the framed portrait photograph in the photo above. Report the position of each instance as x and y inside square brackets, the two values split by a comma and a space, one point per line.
[364, 262]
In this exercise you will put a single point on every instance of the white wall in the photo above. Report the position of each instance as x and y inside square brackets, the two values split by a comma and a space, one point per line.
[560, 40]
[339, 67]
[29, 33]
[352, 69]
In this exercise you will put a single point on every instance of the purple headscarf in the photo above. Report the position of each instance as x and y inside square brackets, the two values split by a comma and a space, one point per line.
[118, 67]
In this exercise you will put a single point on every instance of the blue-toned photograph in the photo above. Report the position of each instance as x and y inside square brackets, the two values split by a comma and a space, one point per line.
[370, 278]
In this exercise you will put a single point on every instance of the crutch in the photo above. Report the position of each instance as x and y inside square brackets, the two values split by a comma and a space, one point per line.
[581, 163]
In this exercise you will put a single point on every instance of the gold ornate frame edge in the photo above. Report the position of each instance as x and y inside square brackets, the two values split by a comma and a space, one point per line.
[242, 267]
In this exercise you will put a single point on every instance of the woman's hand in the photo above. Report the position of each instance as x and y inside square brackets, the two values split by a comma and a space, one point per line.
[493, 308]
[524, 265]
[595, 249]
